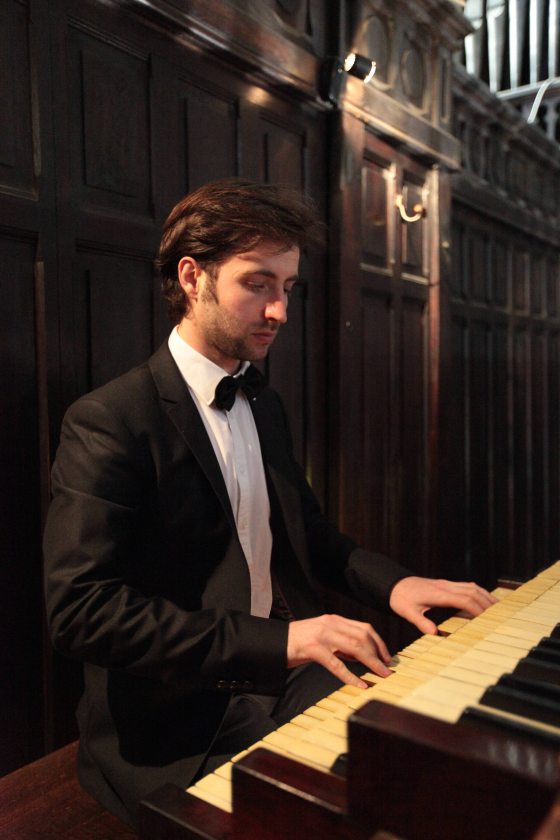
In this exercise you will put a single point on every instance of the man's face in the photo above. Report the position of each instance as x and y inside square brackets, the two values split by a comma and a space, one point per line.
[236, 315]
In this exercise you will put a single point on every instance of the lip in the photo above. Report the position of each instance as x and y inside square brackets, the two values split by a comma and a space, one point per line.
[265, 337]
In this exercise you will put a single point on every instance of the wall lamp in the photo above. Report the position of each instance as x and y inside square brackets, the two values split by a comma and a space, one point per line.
[333, 70]
[361, 67]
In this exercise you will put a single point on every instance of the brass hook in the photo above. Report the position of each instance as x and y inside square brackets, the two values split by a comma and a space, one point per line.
[418, 210]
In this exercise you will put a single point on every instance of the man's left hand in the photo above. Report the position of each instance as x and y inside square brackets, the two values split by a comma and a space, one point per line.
[413, 596]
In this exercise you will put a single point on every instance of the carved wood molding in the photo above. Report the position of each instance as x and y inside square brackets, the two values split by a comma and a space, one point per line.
[219, 27]
[409, 99]
[441, 16]
[392, 120]
[509, 168]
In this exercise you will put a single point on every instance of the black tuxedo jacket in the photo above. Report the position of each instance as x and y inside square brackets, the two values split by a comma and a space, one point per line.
[147, 584]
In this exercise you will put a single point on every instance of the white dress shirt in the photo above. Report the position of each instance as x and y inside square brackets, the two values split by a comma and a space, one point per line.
[233, 435]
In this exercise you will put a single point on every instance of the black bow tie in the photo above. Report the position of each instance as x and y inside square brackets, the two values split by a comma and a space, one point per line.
[252, 382]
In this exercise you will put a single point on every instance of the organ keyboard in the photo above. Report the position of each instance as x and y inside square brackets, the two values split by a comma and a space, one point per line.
[482, 699]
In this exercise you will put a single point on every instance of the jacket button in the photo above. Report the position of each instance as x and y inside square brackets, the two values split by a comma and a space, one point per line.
[235, 685]
[247, 685]
[222, 685]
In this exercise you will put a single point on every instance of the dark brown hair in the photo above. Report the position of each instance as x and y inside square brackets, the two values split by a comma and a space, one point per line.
[229, 217]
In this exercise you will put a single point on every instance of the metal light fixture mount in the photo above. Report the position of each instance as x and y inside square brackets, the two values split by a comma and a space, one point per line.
[334, 69]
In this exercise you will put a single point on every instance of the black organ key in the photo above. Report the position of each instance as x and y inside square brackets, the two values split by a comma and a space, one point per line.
[535, 668]
[528, 698]
[549, 642]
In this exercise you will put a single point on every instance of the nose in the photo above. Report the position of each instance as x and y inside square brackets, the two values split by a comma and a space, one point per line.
[277, 310]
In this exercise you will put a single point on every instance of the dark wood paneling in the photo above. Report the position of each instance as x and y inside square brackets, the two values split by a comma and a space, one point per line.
[498, 555]
[499, 272]
[27, 367]
[213, 153]
[283, 153]
[553, 390]
[109, 104]
[454, 502]
[478, 274]
[478, 458]
[504, 292]
[20, 507]
[385, 372]
[113, 316]
[411, 523]
[374, 216]
[16, 113]
[376, 364]
[539, 447]
[522, 544]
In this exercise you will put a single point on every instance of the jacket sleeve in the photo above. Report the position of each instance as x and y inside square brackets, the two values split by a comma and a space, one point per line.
[96, 611]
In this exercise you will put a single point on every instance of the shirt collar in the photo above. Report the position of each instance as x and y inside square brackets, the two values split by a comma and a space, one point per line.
[199, 373]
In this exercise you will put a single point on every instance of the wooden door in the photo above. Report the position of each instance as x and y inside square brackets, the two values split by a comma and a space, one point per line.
[385, 360]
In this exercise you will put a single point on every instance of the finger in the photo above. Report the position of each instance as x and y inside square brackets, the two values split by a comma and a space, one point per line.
[425, 625]
[377, 642]
[463, 596]
[337, 667]
[474, 599]
[381, 647]
[354, 643]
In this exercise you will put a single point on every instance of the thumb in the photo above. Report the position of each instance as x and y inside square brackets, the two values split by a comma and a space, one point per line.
[425, 625]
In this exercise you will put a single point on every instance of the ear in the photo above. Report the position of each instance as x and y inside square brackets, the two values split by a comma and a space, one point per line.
[189, 273]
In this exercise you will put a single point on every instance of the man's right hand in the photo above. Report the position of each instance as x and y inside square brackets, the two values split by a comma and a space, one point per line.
[328, 639]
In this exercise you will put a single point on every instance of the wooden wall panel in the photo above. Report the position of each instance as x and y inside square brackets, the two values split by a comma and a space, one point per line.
[539, 447]
[16, 114]
[117, 316]
[454, 468]
[210, 143]
[498, 555]
[522, 525]
[283, 154]
[27, 362]
[504, 291]
[374, 215]
[382, 323]
[20, 507]
[412, 520]
[109, 103]
[375, 489]
[553, 389]
[478, 442]
[499, 272]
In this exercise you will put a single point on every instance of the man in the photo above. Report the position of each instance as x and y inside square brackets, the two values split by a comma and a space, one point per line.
[183, 543]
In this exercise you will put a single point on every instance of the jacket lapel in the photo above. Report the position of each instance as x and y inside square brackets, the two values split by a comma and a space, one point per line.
[290, 561]
[182, 411]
